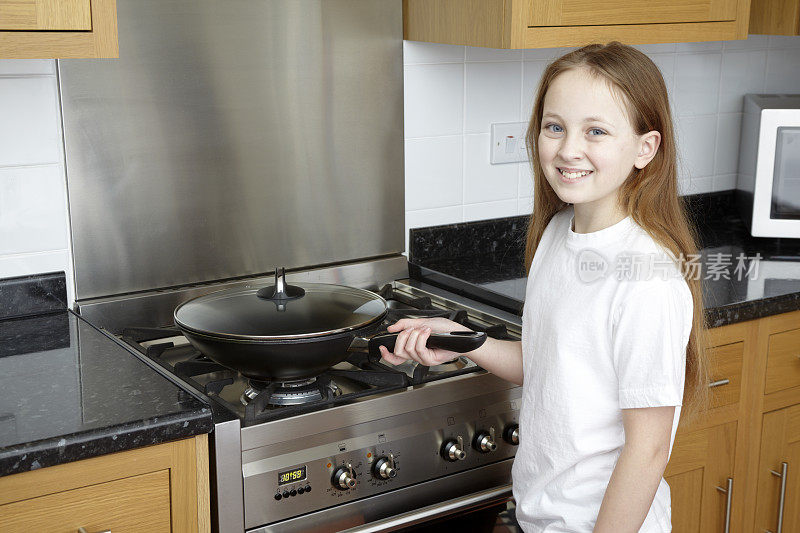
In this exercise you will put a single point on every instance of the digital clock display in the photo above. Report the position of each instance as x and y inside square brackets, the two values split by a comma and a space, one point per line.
[290, 476]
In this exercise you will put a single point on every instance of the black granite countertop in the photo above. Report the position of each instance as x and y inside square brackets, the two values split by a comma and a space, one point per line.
[69, 392]
[484, 261]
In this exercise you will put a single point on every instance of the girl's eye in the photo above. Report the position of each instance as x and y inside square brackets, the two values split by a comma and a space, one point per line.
[596, 131]
[554, 128]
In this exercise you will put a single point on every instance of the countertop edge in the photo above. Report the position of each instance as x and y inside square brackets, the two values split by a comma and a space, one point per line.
[715, 316]
[75, 447]
[752, 309]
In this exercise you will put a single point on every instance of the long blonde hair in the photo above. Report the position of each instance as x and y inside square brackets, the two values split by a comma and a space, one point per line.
[649, 196]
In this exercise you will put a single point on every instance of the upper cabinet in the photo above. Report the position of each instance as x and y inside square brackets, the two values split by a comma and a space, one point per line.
[775, 17]
[551, 23]
[58, 28]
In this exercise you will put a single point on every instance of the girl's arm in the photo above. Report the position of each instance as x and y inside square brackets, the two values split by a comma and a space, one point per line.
[502, 358]
[638, 471]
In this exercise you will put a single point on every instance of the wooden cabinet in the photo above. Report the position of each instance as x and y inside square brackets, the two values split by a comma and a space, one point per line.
[156, 488]
[783, 361]
[136, 503]
[58, 28]
[776, 427]
[775, 17]
[751, 429]
[550, 23]
[700, 466]
[45, 15]
[710, 451]
[778, 481]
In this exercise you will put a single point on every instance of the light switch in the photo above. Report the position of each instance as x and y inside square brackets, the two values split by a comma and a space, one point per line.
[508, 142]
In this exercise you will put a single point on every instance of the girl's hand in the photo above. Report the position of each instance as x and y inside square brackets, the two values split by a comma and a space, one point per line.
[414, 333]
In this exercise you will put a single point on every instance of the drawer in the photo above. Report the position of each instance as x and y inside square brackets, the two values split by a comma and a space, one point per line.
[726, 374]
[33, 15]
[783, 361]
[135, 504]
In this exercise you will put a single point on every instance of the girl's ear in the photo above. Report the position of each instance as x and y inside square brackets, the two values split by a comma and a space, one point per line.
[648, 146]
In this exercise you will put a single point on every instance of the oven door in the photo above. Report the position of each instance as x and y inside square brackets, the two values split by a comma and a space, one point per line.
[484, 511]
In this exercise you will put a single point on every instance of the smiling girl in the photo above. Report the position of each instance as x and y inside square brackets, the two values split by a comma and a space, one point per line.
[612, 330]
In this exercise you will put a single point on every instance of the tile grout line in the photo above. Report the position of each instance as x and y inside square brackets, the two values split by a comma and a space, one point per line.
[463, 135]
[716, 124]
[21, 255]
[31, 165]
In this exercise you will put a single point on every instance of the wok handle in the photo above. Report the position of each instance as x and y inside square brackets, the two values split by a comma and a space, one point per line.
[455, 341]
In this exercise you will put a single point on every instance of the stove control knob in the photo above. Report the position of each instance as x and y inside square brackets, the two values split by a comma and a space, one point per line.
[384, 467]
[344, 478]
[511, 434]
[453, 450]
[484, 441]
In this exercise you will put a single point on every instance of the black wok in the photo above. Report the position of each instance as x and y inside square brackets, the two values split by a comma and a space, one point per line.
[292, 332]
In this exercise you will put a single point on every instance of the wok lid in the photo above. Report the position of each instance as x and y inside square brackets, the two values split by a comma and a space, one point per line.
[281, 311]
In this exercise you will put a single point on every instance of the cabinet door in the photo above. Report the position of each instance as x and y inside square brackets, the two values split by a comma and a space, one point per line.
[780, 445]
[775, 17]
[700, 465]
[726, 380]
[608, 12]
[45, 15]
[783, 361]
[137, 503]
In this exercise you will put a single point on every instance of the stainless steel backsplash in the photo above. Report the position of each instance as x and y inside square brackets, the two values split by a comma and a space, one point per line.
[233, 136]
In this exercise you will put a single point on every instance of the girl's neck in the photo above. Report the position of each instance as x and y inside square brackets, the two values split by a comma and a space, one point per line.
[591, 218]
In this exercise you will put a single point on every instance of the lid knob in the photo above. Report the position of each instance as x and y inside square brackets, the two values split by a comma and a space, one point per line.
[281, 292]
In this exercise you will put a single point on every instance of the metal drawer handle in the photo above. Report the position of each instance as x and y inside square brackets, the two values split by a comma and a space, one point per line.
[718, 383]
[479, 499]
[83, 530]
[729, 492]
[782, 474]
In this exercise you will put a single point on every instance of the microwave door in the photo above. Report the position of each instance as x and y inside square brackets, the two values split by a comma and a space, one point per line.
[776, 183]
[786, 176]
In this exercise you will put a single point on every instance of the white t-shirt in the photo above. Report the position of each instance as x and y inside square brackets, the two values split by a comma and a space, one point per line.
[596, 338]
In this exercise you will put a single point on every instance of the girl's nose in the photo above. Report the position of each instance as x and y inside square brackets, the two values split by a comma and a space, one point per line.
[571, 148]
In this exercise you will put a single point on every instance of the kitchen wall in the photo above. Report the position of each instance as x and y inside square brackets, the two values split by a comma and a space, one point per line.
[33, 196]
[454, 93]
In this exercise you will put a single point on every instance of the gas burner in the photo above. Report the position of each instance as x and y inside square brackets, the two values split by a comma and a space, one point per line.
[288, 392]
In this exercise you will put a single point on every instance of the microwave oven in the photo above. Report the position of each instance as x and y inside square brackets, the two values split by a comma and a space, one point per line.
[768, 181]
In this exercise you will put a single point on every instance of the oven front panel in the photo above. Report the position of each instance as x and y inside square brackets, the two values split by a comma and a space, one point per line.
[347, 464]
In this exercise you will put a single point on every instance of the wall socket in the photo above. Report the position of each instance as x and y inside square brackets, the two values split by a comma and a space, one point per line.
[508, 142]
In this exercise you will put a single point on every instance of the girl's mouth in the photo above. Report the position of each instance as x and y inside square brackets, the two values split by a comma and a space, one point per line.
[573, 175]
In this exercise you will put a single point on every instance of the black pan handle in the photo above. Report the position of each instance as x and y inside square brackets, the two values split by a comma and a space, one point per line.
[455, 341]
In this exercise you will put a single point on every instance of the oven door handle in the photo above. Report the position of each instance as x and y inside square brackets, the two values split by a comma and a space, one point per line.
[475, 500]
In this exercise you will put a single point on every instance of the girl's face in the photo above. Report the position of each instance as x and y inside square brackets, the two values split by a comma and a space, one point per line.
[587, 145]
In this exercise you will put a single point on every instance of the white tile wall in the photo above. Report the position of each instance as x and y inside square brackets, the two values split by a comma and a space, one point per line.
[453, 94]
[33, 198]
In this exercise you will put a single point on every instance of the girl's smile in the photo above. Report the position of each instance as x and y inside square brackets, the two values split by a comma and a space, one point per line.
[572, 175]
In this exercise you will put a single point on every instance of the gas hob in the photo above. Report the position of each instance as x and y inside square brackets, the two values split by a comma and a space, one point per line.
[358, 378]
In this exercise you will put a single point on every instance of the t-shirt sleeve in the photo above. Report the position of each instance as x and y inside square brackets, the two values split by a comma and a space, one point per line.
[651, 333]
